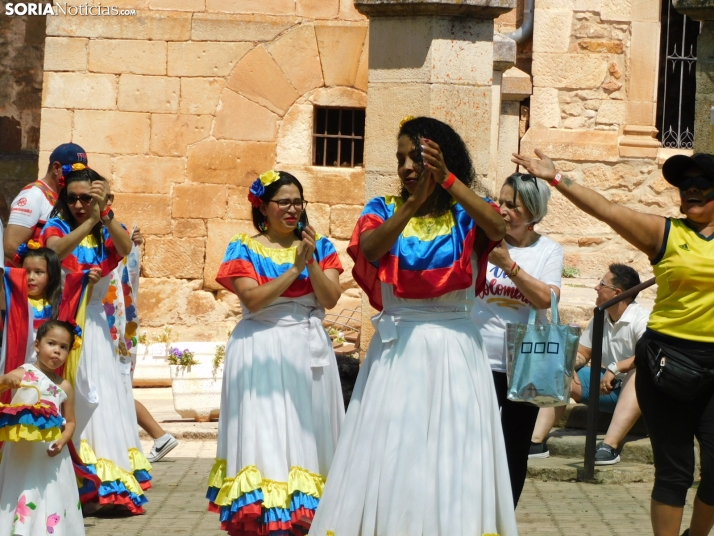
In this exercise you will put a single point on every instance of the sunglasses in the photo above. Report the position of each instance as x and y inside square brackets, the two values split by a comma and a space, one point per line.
[603, 284]
[530, 178]
[84, 198]
[700, 183]
[285, 204]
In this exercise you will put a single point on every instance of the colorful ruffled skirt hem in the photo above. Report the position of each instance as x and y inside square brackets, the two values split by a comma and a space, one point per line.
[117, 486]
[24, 422]
[249, 505]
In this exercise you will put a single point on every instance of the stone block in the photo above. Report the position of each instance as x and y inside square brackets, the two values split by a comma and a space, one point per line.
[55, 128]
[516, 85]
[608, 46]
[551, 31]
[296, 54]
[112, 132]
[388, 104]
[349, 12]
[346, 279]
[616, 10]
[196, 200]
[400, 49]
[330, 186]
[79, 91]
[611, 112]
[161, 300]
[561, 144]
[138, 93]
[155, 26]
[562, 214]
[200, 95]
[294, 141]
[362, 79]
[237, 163]
[318, 9]
[102, 164]
[220, 234]
[225, 27]
[65, 54]
[259, 78]
[340, 46]
[268, 7]
[545, 108]
[486, 9]
[508, 139]
[171, 134]
[121, 56]
[147, 174]
[193, 6]
[151, 212]
[504, 52]
[187, 228]
[341, 97]
[462, 52]
[343, 219]
[621, 176]
[239, 208]
[644, 58]
[576, 71]
[319, 218]
[181, 258]
[238, 118]
[204, 59]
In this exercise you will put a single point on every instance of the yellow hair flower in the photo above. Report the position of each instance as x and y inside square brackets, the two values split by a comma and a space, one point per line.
[33, 245]
[405, 120]
[78, 166]
[77, 344]
[269, 177]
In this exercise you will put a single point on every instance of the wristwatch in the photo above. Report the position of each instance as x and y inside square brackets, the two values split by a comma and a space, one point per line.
[109, 216]
[612, 367]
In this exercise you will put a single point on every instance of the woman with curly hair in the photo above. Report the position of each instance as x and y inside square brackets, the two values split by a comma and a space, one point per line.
[281, 404]
[421, 451]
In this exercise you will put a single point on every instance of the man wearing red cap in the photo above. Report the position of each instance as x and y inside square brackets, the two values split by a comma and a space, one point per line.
[32, 206]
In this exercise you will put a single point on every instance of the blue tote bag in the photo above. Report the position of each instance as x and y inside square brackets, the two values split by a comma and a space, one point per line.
[541, 359]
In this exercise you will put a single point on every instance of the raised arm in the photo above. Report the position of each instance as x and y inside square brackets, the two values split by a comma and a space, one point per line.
[65, 245]
[644, 231]
[14, 236]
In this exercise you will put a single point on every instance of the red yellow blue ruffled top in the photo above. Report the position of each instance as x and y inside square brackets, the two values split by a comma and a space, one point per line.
[432, 256]
[89, 253]
[246, 257]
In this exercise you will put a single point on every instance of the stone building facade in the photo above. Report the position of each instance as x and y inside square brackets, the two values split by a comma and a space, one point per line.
[182, 105]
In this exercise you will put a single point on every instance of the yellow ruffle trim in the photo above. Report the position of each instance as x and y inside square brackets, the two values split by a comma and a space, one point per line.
[108, 471]
[22, 432]
[138, 461]
[275, 494]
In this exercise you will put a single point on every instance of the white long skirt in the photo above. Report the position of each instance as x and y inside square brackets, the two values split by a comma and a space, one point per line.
[421, 451]
[279, 423]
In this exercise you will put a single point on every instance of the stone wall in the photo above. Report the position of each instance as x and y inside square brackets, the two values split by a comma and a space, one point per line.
[593, 111]
[182, 106]
[21, 54]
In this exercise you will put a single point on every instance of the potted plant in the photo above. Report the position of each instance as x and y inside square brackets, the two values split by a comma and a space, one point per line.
[196, 383]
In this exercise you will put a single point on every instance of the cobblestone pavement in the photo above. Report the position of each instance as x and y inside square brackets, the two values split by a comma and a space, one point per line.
[177, 505]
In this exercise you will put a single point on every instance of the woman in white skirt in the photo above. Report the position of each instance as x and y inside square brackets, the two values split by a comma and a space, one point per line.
[281, 403]
[421, 451]
[86, 237]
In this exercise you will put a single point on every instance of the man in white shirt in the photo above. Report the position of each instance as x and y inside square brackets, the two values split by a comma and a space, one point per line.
[625, 322]
[32, 206]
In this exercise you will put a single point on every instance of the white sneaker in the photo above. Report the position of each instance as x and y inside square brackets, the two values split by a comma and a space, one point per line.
[159, 452]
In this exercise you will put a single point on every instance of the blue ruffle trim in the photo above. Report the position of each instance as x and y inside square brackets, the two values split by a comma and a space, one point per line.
[25, 417]
[270, 515]
[109, 488]
[142, 476]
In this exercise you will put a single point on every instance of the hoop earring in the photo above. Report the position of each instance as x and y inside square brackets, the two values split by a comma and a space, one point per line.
[263, 226]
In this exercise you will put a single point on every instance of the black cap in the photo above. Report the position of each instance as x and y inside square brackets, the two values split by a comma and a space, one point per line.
[675, 168]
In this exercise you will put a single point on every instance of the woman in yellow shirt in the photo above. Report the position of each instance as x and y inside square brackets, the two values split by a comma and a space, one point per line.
[676, 353]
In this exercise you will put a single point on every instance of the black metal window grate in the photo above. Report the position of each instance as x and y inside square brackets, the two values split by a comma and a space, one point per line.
[677, 78]
[338, 137]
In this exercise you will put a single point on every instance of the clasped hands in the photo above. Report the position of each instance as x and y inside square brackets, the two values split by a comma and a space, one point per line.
[435, 170]
[306, 248]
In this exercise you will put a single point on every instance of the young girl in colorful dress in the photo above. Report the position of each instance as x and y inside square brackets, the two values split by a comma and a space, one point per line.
[422, 451]
[85, 235]
[38, 488]
[281, 403]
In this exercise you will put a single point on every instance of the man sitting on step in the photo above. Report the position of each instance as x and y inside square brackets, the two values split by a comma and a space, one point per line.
[625, 322]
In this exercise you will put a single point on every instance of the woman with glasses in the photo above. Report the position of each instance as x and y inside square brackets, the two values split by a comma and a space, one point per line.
[85, 235]
[522, 272]
[675, 356]
[281, 402]
[422, 452]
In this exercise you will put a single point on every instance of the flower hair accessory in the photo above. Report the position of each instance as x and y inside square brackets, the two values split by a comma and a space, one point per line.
[31, 244]
[69, 168]
[405, 120]
[22, 250]
[257, 189]
[77, 335]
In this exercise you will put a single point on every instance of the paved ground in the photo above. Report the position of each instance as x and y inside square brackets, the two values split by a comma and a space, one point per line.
[177, 505]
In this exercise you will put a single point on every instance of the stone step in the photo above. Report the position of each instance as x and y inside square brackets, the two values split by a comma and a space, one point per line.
[569, 443]
[570, 469]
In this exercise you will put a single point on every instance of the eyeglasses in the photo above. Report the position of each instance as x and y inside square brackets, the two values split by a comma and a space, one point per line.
[603, 284]
[84, 198]
[700, 183]
[285, 204]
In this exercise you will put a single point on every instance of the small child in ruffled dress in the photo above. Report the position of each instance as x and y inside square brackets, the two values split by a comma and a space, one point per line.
[38, 488]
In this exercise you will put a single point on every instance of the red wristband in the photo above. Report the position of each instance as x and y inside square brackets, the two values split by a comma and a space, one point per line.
[449, 182]
[556, 180]
[104, 213]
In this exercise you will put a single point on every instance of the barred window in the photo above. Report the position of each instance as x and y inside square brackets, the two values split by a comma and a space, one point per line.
[338, 137]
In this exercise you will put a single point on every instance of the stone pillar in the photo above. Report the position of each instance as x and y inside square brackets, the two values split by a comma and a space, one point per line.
[702, 10]
[427, 57]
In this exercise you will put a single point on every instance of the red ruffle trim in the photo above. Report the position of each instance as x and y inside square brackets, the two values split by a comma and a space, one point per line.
[121, 500]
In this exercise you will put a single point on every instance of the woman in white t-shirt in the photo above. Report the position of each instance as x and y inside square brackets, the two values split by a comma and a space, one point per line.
[521, 272]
